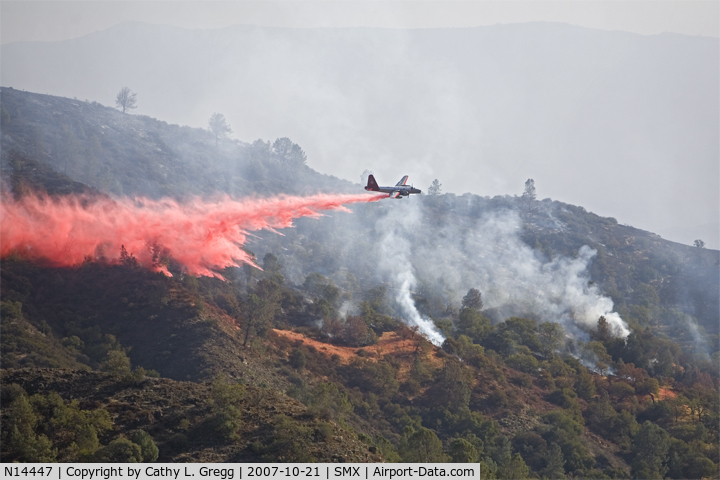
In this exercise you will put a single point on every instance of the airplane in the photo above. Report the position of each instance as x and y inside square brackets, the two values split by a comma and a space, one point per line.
[400, 190]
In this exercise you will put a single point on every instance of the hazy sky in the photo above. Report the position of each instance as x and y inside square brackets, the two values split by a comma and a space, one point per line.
[59, 20]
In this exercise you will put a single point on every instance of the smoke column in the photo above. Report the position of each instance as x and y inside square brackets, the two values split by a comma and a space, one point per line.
[407, 304]
[203, 236]
[441, 257]
[514, 278]
[395, 253]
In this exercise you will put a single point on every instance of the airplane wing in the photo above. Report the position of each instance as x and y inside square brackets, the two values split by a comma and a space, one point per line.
[402, 181]
[398, 195]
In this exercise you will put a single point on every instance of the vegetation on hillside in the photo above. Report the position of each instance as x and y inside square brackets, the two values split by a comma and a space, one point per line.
[68, 415]
[512, 395]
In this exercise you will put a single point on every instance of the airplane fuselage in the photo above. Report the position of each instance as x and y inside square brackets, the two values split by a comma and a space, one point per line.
[398, 191]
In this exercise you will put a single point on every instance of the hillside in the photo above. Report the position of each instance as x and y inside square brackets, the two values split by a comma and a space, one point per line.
[529, 370]
[135, 155]
[182, 418]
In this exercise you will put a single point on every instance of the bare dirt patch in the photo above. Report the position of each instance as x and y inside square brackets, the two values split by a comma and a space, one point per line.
[390, 343]
[665, 393]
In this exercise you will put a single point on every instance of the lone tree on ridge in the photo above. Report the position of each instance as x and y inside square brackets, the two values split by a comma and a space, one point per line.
[529, 193]
[435, 188]
[126, 99]
[218, 126]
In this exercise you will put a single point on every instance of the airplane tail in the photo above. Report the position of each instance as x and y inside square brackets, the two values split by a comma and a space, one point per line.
[372, 185]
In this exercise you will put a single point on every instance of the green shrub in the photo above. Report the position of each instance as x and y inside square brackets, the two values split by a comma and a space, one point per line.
[297, 359]
[497, 399]
[524, 380]
[148, 448]
[323, 431]
[120, 450]
[523, 363]
[326, 401]
[290, 442]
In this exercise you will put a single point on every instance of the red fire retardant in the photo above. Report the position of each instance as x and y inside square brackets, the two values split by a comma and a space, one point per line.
[204, 236]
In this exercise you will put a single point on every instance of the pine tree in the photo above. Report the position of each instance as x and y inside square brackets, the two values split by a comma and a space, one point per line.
[529, 193]
[435, 188]
[555, 463]
[473, 299]
[218, 126]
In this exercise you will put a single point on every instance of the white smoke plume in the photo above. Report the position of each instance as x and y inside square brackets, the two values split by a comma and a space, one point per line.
[489, 255]
[396, 266]
[701, 344]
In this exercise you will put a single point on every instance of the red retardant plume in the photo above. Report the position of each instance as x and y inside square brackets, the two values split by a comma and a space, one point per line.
[203, 236]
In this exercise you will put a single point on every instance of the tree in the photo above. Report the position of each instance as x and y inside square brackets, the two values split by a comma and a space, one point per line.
[603, 334]
[271, 264]
[322, 288]
[473, 299]
[551, 336]
[120, 450]
[555, 463]
[290, 442]
[512, 332]
[147, 446]
[226, 417]
[218, 126]
[19, 433]
[225, 393]
[261, 307]
[473, 324]
[699, 243]
[532, 448]
[259, 314]
[117, 363]
[523, 363]
[297, 359]
[126, 99]
[600, 415]
[529, 193]
[435, 188]
[386, 449]
[127, 258]
[514, 468]
[421, 446]
[451, 388]
[328, 402]
[462, 451]
[356, 333]
[86, 440]
[650, 446]
[584, 385]
[288, 154]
